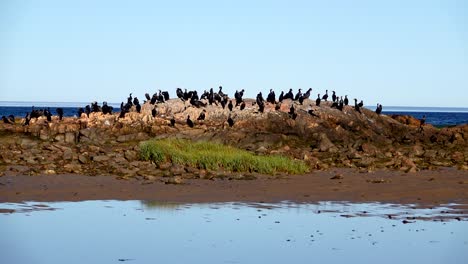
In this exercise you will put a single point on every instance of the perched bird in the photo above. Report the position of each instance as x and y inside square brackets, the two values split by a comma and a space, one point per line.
[325, 96]
[230, 105]
[346, 101]
[378, 110]
[230, 121]
[333, 96]
[317, 101]
[189, 122]
[154, 112]
[356, 106]
[242, 106]
[202, 115]
[59, 113]
[172, 124]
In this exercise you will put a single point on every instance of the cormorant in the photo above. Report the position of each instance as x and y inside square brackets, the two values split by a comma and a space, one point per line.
[299, 94]
[317, 101]
[189, 122]
[202, 115]
[325, 96]
[138, 108]
[281, 97]
[136, 101]
[333, 96]
[230, 105]
[242, 106]
[27, 118]
[147, 96]
[306, 95]
[154, 112]
[81, 111]
[59, 113]
[271, 97]
[278, 106]
[292, 112]
[346, 101]
[361, 104]
[172, 124]
[129, 99]
[230, 121]
[378, 110]
[356, 106]
[5, 120]
[289, 95]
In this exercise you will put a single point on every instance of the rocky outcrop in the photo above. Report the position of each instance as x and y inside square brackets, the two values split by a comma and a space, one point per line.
[106, 144]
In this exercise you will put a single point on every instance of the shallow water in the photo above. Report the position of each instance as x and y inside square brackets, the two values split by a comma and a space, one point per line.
[150, 232]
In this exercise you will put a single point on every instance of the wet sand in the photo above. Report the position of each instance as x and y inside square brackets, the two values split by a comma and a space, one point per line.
[447, 185]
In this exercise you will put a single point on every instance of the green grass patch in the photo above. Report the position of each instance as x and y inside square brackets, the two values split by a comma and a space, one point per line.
[214, 156]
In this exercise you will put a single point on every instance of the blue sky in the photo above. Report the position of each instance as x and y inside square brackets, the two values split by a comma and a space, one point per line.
[400, 53]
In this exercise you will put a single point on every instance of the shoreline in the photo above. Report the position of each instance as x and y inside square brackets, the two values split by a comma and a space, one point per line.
[424, 188]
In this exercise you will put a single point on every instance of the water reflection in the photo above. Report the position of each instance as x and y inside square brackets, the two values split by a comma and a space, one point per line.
[151, 232]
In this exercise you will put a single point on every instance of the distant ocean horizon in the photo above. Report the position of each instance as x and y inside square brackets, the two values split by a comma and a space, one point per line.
[437, 116]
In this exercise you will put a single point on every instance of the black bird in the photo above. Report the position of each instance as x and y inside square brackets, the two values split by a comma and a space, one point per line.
[378, 110]
[271, 97]
[230, 105]
[289, 95]
[147, 96]
[298, 95]
[166, 95]
[346, 101]
[81, 111]
[136, 101]
[27, 118]
[306, 95]
[48, 115]
[281, 97]
[356, 106]
[311, 112]
[261, 107]
[138, 108]
[172, 122]
[325, 96]
[11, 118]
[242, 106]
[238, 96]
[292, 112]
[361, 104]
[333, 96]
[317, 101]
[87, 110]
[129, 99]
[278, 106]
[259, 99]
[5, 120]
[202, 115]
[59, 113]
[154, 112]
[180, 94]
[189, 122]
[301, 99]
[230, 121]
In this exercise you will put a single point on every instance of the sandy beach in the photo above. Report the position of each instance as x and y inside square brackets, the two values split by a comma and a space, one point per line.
[425, 188]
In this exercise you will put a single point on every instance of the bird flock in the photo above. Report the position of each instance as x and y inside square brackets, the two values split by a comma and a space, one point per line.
[210, 97]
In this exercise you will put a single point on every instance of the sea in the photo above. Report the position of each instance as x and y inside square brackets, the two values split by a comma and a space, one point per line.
[437, 116]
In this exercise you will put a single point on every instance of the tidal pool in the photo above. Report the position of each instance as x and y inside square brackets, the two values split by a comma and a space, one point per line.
[151, 232]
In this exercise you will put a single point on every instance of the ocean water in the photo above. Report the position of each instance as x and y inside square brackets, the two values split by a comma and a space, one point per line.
[152, 232]
[437, 116]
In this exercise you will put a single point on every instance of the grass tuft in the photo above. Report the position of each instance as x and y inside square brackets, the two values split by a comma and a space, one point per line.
[214, 156]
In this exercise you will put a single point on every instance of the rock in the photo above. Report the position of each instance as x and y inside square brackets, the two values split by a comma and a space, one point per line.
[150, 178]
[173, 180]
[417, 150]
[68, 154]
[83, 159]
[70, 137]
[337, 177]
[325, 144]
[72, 168]
[177, 169]
[457, 157]
[27, 143]
[131, 155]
[100, 158]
